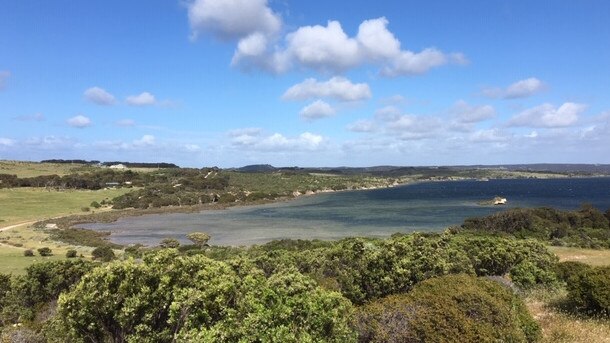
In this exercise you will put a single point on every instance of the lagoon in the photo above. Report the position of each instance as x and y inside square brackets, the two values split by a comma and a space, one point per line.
[425, 206]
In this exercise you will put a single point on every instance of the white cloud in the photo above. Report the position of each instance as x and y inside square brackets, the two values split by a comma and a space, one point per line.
[51, 142]
[411, 63]
[465, 113]
[79, 121]
[338, 88]
[99, 96]
[548, 116]
[520, 89]
[232, 19]
[324, 47]
[6, 142]
[362, 125]
[376, 41]
[255, 140]
[329, 49]
[317, 110]
[4, 75]
[125, 123]
[142, 99]
[145, 141]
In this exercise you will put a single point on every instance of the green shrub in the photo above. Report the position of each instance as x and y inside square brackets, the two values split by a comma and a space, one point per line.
[71, 253]
[168, 297]
[28, 253]
[95, 204]
[570, 269]
[169, 243]
[103, 253]
[589, 290]
[456, 308]
[45, 251]
[85, 209]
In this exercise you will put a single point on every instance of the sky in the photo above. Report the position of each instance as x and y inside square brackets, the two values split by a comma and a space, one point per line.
[306, 83]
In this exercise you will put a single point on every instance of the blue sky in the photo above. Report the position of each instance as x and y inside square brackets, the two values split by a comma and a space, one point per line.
[307, 83]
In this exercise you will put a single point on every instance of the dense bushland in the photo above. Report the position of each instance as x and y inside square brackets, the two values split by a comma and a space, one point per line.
[288, 291]
[586, 227]
[366, 269]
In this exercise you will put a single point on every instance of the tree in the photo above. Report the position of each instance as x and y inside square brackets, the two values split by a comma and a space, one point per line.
[199, 238]
[103, 253]
[45, 251]
[169, 243]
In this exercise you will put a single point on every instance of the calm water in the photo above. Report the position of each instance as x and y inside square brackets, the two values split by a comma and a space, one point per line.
[429, 206]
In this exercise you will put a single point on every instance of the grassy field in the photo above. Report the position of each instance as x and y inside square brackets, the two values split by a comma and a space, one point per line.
[18, 205]
[24, 204]
[31, 169]
[593, 257]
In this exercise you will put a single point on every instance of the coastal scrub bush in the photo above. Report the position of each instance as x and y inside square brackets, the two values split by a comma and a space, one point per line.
[28, 253]
[45, 251]
[168, 297]
[456, 308]
[570, 269]
[103, 253]
[71, 253]
[169, 243]
[589, 290]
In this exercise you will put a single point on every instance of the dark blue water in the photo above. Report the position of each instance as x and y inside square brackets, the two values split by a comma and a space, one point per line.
[429, 206]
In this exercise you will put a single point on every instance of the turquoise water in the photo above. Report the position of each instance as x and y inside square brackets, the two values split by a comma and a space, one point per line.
[429, 206]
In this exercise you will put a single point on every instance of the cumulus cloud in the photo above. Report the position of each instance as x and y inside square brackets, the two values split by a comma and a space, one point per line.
[142, 99]
[338, 88]
[549, 116]
[256, 140]
[99, 96]
[317, 110]
[33, 117]
[465, 113]
[232, 19]
[328, 48]
[520, 89]
[79, 121]
[362, 125]
[4, 75]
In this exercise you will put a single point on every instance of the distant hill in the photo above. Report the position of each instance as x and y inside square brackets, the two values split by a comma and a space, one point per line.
[257, 168]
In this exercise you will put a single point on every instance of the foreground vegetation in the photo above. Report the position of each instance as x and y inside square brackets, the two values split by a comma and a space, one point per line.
[284, 291]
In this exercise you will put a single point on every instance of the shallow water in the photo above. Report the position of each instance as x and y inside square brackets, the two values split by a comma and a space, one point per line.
[429, 206]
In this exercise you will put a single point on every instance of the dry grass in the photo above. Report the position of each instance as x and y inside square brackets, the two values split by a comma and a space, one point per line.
[31, 169]
[560, 327]
[594, 257]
